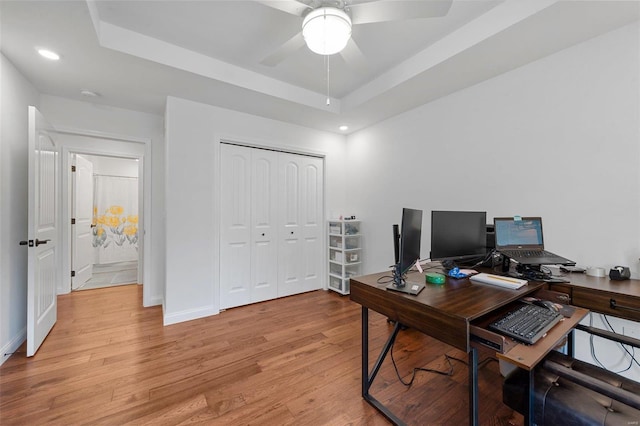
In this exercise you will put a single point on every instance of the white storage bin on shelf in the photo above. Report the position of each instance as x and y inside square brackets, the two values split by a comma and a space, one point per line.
[345, 253]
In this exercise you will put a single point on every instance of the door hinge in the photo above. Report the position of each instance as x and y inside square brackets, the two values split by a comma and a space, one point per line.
[73, 220]
[73, 273]
[73, 168]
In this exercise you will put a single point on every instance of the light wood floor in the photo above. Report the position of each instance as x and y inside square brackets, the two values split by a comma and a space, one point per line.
[292, 361]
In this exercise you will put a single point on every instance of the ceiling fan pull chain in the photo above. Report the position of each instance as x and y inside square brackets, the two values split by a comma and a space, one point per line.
[328, 97]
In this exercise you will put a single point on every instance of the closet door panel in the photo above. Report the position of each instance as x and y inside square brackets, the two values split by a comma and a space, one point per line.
[291, 252]
[235, 228]
[264, 213]
[312, 222]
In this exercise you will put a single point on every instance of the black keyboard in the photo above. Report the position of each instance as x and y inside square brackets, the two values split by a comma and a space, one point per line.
[526, 253]
[528, 323]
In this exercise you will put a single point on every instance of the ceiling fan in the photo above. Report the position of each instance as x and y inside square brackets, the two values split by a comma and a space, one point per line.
[335, 18]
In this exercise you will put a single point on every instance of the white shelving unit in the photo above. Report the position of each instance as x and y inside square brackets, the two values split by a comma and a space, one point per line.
[345, 253]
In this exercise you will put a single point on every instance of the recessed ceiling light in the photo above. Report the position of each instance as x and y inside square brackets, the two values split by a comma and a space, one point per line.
[49, 54]
[344, 127]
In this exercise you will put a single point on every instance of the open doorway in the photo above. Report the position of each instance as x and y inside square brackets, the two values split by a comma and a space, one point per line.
[100, 144]
[105, 217]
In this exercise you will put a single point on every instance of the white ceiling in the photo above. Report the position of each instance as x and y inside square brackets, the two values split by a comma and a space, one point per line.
[136, 53]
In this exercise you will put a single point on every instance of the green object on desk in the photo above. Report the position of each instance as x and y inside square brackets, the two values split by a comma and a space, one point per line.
[435, 278]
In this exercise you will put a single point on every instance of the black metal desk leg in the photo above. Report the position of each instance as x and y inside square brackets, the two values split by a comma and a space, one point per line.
[473, 387]
[367, 379]
[571, 343]
[530, 419]
[365, 352]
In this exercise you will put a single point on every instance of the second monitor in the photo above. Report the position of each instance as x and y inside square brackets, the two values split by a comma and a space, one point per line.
[458, 236]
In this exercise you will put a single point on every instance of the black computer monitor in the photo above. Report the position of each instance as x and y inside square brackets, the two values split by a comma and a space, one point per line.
[458, 237]
[407, 250]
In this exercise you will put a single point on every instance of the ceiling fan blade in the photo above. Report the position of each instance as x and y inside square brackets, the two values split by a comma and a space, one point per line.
[398, 10]
[293, 7]
[288, 47]
[353, 56]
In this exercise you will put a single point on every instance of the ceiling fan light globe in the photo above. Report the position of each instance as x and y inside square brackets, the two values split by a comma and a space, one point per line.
[326, 30]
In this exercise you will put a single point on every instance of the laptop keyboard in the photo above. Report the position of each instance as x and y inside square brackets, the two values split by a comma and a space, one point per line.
[526, 253]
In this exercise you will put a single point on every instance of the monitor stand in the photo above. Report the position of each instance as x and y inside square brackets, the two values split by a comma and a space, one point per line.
[399, 284]
[409, 288]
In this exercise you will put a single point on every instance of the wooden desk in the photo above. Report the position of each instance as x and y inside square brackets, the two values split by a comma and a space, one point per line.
[446, 312]
[617, 298]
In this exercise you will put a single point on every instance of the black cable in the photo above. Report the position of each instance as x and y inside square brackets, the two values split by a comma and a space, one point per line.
[593, 349]
[434, 266]
[416, 369]
[448, 358]
[484, 259]
[486, 361]
[633, 349]
[592, 346]
[385, 279]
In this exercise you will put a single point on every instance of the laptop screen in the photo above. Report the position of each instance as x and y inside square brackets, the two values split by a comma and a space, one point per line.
[524, 232]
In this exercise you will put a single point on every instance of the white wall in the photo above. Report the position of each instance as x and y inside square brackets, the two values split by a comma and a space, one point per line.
[604, 352]
[193, 133]
[113, 166]
[567, 124]
[17, 95]
[115, 122]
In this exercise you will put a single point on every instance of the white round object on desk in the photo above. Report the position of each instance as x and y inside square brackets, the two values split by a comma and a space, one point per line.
[595, 272]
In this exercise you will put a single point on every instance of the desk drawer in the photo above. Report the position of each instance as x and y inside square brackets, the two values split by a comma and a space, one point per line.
[607, 303]
[479, 332]
[482, 336]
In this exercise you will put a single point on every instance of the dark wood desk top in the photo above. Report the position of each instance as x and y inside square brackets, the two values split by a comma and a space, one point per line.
[596, 295]
[625, 287]
[443, 311]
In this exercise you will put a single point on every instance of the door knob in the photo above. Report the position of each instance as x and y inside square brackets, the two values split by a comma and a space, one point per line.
[263, 234]
[38, 242]
[24, 243]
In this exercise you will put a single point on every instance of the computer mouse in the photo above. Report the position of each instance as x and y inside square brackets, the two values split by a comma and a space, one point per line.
[547, 304]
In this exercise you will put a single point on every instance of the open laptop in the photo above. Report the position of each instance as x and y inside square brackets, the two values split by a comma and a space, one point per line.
[521, 239]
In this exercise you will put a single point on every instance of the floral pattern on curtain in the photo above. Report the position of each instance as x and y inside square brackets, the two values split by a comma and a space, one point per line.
[115, 219]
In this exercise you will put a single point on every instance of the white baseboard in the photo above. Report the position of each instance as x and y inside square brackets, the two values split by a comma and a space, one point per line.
[13, 345]
[189, 315]
[155, 301]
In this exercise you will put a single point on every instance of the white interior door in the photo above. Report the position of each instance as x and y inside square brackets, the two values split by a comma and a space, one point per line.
[235, 226]
[311, 222]
[249, 256]
[301, 243]
[43, 269]
[264, 213]
[290, 251]
[82, 251]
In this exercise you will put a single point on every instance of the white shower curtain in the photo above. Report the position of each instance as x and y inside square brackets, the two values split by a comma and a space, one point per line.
[115, 235]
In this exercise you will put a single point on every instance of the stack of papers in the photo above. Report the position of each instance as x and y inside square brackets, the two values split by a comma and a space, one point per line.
[507, 282]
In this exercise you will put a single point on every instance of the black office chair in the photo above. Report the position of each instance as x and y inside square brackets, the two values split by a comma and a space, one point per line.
[572, 392]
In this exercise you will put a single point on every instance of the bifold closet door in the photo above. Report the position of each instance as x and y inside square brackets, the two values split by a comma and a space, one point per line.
[300, 258]
[264, 225]
[248, 250]
[271, 225]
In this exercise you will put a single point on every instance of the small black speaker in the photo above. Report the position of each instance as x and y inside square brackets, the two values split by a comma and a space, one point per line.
[491, 237]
